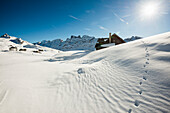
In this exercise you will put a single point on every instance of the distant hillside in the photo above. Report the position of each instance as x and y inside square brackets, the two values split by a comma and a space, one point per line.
[7, 42]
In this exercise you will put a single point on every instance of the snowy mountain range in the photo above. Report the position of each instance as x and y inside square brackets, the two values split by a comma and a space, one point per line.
[74, 43]
[133, 38]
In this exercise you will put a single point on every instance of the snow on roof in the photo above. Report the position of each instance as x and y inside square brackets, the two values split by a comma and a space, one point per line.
[108, 45]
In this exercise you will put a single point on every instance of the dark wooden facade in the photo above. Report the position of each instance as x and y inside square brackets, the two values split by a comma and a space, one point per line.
[112, 39]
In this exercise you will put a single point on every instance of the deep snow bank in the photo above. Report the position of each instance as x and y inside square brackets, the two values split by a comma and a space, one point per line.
[132, 77]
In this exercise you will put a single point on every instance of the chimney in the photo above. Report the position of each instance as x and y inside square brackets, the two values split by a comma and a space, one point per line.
[110, 40]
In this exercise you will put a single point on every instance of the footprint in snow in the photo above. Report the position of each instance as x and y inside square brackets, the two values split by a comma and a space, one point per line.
[147, 62]
[146, 71]
[140, 92]
[140, 83]
[136, 103]
[144, 78]
[80, 71]
[147, 54]
[130, 110]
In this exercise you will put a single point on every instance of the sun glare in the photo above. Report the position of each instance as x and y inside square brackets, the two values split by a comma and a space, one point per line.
[149, 10]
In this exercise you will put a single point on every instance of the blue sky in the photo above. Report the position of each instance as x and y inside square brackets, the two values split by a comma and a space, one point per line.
[36, 20]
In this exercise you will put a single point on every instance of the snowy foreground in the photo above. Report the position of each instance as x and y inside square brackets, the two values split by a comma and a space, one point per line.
[128, 78]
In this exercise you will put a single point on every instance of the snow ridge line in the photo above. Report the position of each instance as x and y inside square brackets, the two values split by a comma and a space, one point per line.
[144, 78]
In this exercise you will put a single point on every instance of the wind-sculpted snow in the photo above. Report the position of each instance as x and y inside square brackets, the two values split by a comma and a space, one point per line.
[130, 78]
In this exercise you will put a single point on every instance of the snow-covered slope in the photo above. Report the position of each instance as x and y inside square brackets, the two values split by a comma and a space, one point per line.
[132, 77]
[74, 43]
[133, 38]
[6, 43]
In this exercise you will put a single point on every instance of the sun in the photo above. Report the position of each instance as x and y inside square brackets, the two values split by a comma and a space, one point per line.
[149, 10]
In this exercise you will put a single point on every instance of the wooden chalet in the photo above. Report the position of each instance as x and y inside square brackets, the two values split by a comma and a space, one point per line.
[106, 42]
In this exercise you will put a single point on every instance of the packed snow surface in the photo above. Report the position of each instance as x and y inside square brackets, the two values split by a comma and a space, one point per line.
[128, 78]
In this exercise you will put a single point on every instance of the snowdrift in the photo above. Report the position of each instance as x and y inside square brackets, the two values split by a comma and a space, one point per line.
[131, 77]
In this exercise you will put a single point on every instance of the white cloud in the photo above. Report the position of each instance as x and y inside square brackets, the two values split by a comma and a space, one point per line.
[71, 16]
[121, 19]
[87, 29]
[125, 16]
[90, 11]
[103, 28]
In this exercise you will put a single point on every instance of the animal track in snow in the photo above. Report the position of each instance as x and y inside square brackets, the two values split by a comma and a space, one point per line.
[136, 103]
[130, 110]
[147, 62]
[140, 83]
[140, 92]
[80, 71]
[147, 54]
[144, 78]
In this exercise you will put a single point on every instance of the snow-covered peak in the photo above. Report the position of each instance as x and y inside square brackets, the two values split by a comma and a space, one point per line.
[73, 43]
[132, 38]
[87, 37]
[5, 36]
[19, 44]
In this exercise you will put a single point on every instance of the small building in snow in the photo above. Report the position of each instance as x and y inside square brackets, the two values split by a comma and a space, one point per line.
[13, 48]
[107, 42]
[22, 49]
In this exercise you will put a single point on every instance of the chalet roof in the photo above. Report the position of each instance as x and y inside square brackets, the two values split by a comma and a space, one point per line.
[118, 37]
